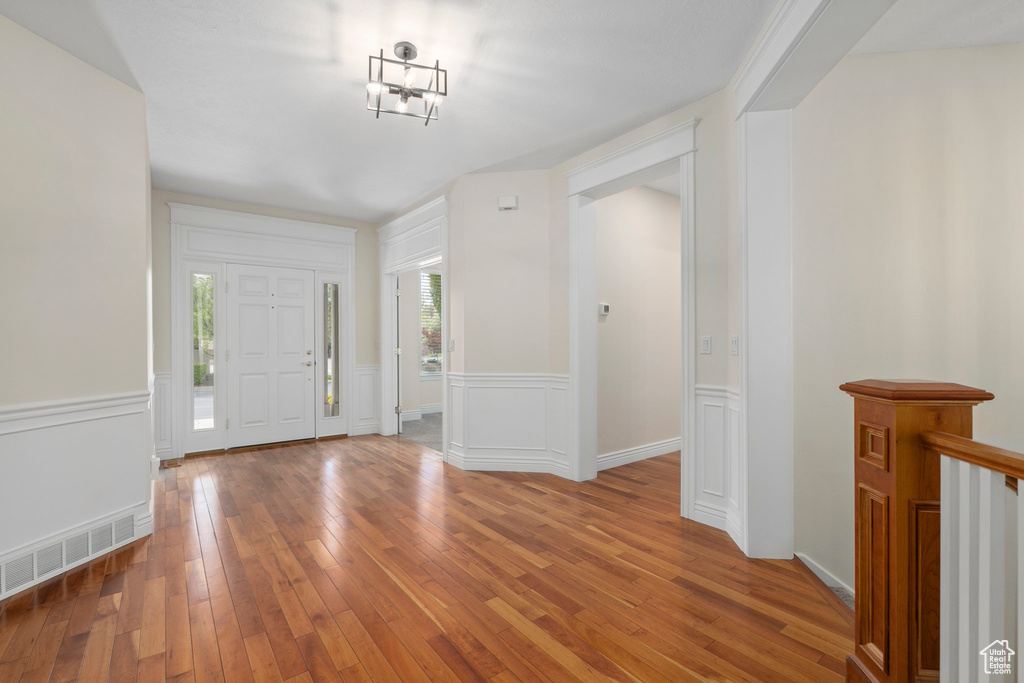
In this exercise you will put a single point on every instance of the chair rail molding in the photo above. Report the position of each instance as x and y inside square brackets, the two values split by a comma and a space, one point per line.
[414, 240]
[47, 414]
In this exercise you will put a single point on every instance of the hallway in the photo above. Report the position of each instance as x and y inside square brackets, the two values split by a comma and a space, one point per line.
[368, 559]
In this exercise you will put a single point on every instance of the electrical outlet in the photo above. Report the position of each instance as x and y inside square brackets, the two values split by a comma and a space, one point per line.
[734, 345]
[705, 345]
[451, 344]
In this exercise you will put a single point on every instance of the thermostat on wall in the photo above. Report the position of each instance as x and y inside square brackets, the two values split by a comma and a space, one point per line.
[603, 309]
[510, 203]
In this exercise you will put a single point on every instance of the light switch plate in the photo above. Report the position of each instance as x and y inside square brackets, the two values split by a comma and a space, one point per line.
[705, 345]
[734, 345]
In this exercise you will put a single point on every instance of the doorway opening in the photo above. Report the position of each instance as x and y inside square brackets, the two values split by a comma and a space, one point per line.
[420, 387]
[414, 325]
[639, 342]
[669, 153]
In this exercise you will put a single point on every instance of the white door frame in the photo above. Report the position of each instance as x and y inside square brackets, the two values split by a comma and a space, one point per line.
[669, 152]
[409, 242]
[207, 239]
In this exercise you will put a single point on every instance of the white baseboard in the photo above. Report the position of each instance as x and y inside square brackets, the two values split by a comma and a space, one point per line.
[709, 514]
[24, 567]
[534, 465]
[365, 429]
[624, 457]
[432, 408]
[827, 577]
[409, 416]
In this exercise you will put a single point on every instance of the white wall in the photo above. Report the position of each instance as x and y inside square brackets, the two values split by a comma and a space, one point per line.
[716, 229]
[74, 174]
[638, 344]
[366, 275]
[499, 273]
[73, 254]
[431, 391]
[907, 252]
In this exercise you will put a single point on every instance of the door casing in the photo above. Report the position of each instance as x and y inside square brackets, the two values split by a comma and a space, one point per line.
[207, 240]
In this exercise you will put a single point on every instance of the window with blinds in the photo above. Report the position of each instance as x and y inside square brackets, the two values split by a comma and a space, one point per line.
[430, 323]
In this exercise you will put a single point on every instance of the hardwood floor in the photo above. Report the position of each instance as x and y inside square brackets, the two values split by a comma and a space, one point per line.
[367, 559]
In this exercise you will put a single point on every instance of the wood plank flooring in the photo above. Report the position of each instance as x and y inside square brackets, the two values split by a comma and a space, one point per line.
[366, 559]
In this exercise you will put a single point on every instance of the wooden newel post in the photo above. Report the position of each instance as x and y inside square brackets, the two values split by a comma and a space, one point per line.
[896, 638]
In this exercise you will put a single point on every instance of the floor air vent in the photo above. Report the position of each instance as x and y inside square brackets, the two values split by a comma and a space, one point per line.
[101, 539]
[77, 548]
[50, 559]
[124, 529]
[18, 572]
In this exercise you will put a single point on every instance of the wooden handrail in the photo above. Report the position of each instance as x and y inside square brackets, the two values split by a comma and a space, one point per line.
[992, 458]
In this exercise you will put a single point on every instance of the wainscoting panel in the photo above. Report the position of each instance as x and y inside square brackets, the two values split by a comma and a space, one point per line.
[367, 415]
[733, 518]
[162, 432]
[507, 417]
[716, 460]
[508, 423]
[69, 469]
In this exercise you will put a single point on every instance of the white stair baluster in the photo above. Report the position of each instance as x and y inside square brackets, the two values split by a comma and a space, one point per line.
[992, 559]
[968, 573]
[949, 579]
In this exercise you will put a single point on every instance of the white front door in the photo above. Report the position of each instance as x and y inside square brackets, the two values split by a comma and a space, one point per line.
[270, 363]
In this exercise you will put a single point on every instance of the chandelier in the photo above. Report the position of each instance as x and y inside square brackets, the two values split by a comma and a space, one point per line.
[397, 86]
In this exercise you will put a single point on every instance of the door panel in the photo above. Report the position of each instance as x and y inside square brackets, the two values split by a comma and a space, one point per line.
[254, 326]
[290, 396]
[292, 340]
[270, 369]
[253, 400]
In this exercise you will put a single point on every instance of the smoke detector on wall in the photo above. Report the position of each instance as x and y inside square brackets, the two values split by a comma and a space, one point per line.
[509, 203]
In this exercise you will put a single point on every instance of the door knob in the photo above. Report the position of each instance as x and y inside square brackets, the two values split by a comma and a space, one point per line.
[307, 363]
[308, 352]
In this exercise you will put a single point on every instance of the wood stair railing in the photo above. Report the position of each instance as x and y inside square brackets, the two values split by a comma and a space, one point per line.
[981, 540]
[898, 528]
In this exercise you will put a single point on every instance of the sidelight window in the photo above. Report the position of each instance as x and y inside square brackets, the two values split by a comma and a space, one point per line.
[203, 351]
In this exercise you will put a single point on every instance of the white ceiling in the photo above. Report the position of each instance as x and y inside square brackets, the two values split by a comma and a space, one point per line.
[264, 101]
[936, 24]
